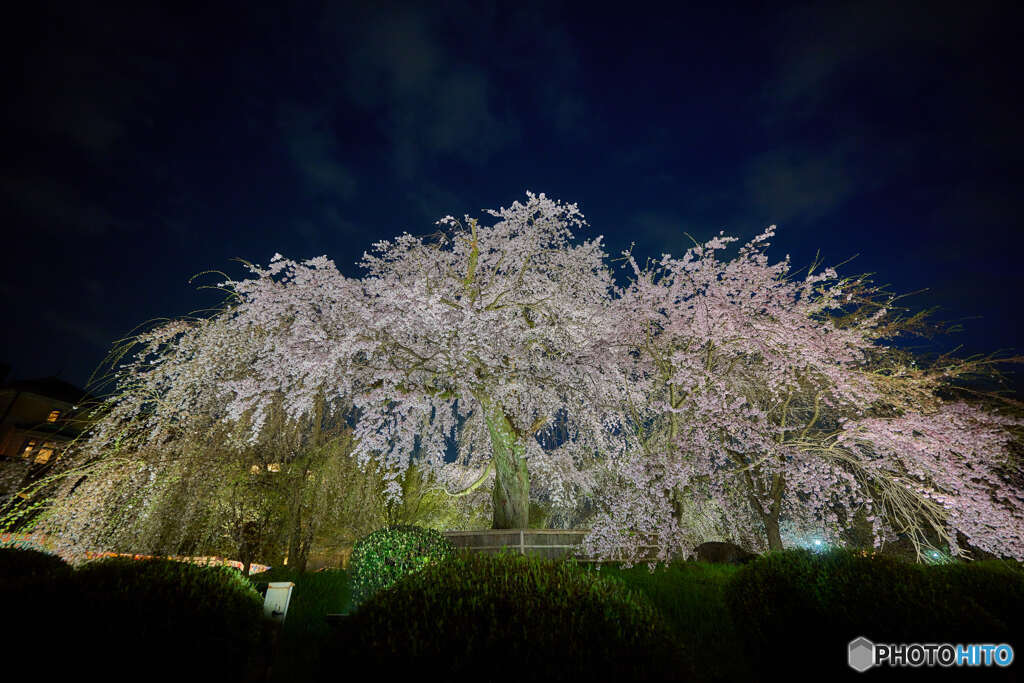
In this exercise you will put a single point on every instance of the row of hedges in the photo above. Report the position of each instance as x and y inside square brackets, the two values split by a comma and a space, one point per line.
[540, 614]
[131, 615]
[506, 617]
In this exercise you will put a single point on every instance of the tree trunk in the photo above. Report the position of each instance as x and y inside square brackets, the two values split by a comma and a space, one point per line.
[251, 535]
[512, 480]
[298, 545]
[676, 498]
[771, 527]
[295, 537]
[302, 557]
[771, 518]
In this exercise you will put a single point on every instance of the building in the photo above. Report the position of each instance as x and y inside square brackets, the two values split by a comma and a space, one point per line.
[38, 418]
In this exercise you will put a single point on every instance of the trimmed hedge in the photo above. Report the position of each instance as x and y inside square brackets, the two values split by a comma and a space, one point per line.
[387, 555]
[508, 616]
[148, 612]
[26, 564]
[121, 614]
[34, 586]
[822, 602]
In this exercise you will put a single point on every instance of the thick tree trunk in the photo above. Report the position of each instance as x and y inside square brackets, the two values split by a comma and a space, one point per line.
[771, 516]
[512, 480]
[770, 513]
[771, 527]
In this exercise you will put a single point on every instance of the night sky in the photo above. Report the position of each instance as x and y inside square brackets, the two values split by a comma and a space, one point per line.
[143, 146]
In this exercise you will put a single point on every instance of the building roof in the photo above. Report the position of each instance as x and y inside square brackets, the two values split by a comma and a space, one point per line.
[52, 387]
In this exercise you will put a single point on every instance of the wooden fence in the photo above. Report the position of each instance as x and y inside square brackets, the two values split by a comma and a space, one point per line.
[544, 543]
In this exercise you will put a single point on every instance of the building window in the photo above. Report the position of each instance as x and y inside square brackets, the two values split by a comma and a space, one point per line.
[46, 452]
[38, 452]
[52, 417]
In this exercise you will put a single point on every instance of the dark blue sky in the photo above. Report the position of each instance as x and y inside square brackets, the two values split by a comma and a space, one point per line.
[142, 146]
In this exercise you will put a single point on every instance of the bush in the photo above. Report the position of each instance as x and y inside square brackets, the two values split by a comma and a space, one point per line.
[147, 612]
[997, 586]
[24, 564]
[387, 555]
[508, 616]
[824, 601]
[769, 593]
[33, 588]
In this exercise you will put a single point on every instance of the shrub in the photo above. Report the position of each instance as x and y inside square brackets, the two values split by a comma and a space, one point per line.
[769, 592]
[144, 612]
[20, 564]
[996, 586]
[33, 588]
[387, 555]
[825, 601]
[508, 616]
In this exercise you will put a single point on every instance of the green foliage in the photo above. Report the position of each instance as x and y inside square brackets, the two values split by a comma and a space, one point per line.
[997, 586]
[33, 588]
[387, 555]
[424, 503]
[316, 594]
[305, 631]
[161, 610]
[691, 597]
[539, 515]
[770, 592]
[506, 616]
[825, 600]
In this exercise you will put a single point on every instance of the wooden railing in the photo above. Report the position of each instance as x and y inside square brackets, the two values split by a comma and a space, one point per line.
[545, 543]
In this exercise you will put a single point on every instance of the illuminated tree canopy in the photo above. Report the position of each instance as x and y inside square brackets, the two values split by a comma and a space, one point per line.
[703, 384]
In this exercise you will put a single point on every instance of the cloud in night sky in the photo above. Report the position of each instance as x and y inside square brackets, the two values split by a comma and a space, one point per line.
[795, 183]
[56, 206]
[423, 98]
[824, 44]
[145, 145]
[313, 148]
